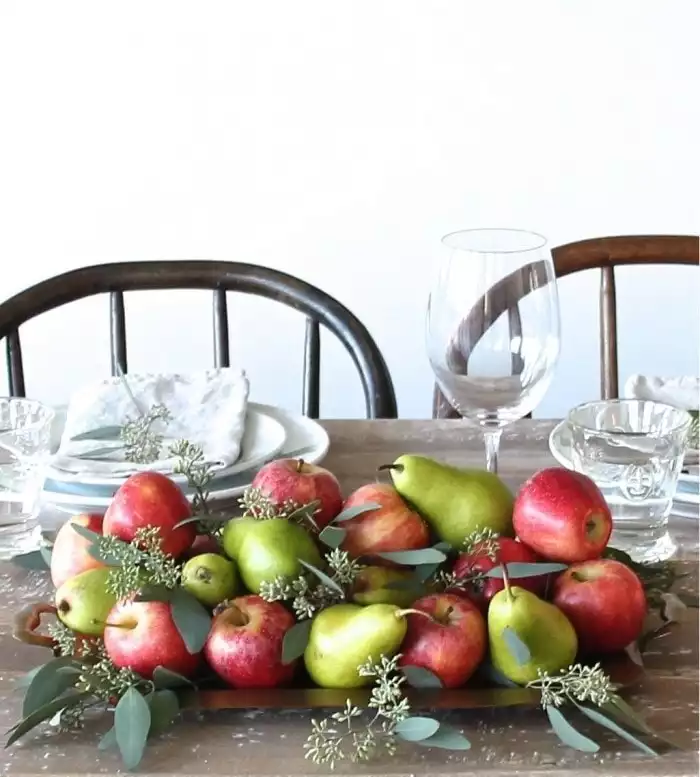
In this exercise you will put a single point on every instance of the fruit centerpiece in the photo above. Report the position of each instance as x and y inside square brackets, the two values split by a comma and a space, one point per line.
[437, 582]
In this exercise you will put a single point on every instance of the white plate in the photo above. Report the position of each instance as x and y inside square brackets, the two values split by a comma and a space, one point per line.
[687, 490]
[263, 438]
[304, 438]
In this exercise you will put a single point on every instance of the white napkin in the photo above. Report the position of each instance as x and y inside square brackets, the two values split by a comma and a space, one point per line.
[682, 392]
[208, 409]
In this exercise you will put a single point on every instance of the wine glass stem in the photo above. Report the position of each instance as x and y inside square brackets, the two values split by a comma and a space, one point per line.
[492, 439]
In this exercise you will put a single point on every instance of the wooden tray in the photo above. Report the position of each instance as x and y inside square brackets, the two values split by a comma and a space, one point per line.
[620, 668]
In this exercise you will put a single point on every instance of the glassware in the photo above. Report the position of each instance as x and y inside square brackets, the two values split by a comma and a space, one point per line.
[25, 434]
[493, 327]
[633, 450]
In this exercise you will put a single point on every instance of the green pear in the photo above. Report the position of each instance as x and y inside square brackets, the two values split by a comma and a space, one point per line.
[83, 602]
[541, 627]
[455, 502]
[345, 636]
[382, 585]
[272, 548]
[210, 578]
[234, 533]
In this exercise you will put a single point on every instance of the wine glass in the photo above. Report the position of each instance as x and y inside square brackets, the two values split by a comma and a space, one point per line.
[493, 327]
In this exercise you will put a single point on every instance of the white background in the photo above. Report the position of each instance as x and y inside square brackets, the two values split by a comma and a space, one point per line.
[339, 141]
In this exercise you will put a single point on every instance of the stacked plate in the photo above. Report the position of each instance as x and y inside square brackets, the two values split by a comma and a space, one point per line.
[687, 497]
[270, 433]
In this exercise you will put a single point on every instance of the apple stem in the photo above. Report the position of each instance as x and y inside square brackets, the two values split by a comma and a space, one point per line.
[112, 625]
[506, 581]
[411, 611]
[300, 465]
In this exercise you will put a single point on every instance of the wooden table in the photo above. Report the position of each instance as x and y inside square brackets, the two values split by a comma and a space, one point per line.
[504, 742]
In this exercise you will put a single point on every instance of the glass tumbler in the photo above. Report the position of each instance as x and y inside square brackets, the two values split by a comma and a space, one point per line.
[25, 441]
[633, 450]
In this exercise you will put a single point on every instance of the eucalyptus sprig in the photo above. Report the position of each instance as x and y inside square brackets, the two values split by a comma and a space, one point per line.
[578, 683]
[142, 445]
[483, 542]
[191, 463]
[350, 735]
[256, 504]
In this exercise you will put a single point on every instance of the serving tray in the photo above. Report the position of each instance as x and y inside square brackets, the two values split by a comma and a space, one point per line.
[475, 695]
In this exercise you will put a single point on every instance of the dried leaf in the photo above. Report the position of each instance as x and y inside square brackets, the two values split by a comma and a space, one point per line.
[353, 512]
[332, 536]
[516, 647]
[295, 641]
[191, 619]
[132, 722]
[323, 577]
[568, 734]
[416, 727]
[420, 677]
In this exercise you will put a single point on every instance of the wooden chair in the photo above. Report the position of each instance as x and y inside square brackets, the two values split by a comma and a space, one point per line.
[604, 253]
[221, 277]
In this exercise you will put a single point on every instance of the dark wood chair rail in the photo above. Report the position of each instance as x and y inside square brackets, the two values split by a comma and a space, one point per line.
[221, 277]
[603, 253]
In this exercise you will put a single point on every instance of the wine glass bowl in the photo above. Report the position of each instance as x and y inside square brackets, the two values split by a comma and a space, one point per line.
[493, 327]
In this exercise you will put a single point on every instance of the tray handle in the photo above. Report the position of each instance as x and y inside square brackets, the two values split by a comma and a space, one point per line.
[28, 620]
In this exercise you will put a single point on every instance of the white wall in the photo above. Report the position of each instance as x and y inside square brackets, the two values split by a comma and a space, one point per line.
[339, 141]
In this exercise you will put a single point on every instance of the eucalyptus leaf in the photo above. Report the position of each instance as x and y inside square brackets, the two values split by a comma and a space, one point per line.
[295, 641]
[44, 713]
[164, 707]
[323, 577]
[516, 647]
[99, 454]
[445, 547]
[87, 534]
[425, 571]
[211, 517]
[154, 593]
[166, 678]
[25, 680]
[100, 433]
[446, 738]
[108, 740]
[568, 734]
[191, 619]
[33, 560]
[414, 557]
[49, 683]
[132, 721]
[420, 677]
[352, 512]
[416, 727]
[414, 585]
[517, 570]
[332, 536]
[603, 720]
[618, 708]
[94, 547]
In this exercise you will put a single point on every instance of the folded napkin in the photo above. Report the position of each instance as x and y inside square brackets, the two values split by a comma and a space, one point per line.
[208, 409]
[681, 392]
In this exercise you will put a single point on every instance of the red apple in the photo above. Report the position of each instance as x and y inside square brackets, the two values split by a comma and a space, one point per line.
[562, 515]
[452, 644]
[605, 602]
[244, 646]
[151, 499]
[478, 562]
[143, 635]
[393, 526]
[293, 480]
[69, 555]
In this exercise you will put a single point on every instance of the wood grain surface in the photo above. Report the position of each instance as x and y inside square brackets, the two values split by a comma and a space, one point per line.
[265, 743]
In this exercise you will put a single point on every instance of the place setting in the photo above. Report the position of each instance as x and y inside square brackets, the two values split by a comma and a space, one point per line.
[210, 409]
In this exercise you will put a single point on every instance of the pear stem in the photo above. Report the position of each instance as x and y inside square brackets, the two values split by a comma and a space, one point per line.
[506, 582]
[112, 625]
[411, 611]
[392, 467]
